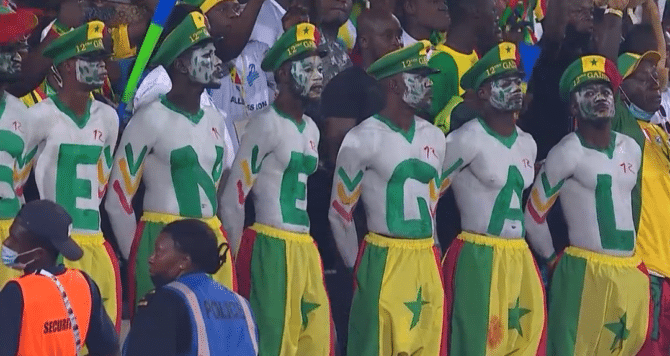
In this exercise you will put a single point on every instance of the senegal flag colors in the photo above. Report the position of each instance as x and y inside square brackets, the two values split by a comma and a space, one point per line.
[495, 299]
[398, 304]
[148, 229]
[598, 304]
[281, 274]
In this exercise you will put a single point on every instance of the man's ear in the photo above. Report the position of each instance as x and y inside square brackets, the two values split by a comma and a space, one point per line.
[484, 92]
[180, 65]
[574, 106]
[395, 86]
[363, 41]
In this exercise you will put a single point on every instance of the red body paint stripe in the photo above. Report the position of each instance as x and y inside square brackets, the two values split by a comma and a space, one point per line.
[348, 216]
[122, 197]
[240, 193]
[537, 217]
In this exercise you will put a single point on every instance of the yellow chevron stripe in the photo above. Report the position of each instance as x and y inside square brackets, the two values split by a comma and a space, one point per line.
[434, 194]
[101, 173]
[247, 172]
[445, 184]
[344, 197]
[130, 185]
[21, 175]
[537, 203]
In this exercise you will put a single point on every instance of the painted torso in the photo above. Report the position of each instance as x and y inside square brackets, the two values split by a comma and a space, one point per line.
[489, 173]
[276, 156]
[13, 115]
[74, 157]
[401, 176]
[595, 188]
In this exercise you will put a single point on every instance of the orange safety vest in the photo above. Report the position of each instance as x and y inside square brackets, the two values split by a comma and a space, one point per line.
[45, 325]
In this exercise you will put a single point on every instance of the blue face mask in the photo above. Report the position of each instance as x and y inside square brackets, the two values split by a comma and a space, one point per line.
[636, 111]
[10, 256]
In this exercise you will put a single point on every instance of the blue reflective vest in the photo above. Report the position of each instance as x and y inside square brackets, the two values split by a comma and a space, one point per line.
[221, 320]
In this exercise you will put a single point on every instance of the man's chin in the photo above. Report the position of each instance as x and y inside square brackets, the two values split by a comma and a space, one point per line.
[9, 78]
[213, 85]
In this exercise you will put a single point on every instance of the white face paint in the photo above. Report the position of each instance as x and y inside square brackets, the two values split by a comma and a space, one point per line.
[308, 75]
[91, 73]
[10, 64]
[595, 102]
[205, 67]
[506, 94]
[418, 91]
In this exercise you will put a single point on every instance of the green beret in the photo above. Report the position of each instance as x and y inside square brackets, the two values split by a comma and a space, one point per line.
[84, 39]
[405, 59]
[301, 38]
[191, 31]
[628, 62]
[588, 69]
[502, 59]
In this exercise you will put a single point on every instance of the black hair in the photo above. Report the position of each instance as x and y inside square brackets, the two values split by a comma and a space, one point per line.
[196, 239]
[639, 39]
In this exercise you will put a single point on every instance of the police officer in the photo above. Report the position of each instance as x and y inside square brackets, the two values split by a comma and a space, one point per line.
[50, 310]
[189, 313]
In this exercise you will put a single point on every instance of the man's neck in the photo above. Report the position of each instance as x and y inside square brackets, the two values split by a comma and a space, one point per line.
[75, 100]
[185, 96]
[462, 38]
[503, 123]
[329, 30]
[399, 113]
[596, 134]
[290, 104]
[417, 31]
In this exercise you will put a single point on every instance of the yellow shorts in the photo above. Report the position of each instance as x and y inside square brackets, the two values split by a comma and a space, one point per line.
[399, 300]
[281, 274]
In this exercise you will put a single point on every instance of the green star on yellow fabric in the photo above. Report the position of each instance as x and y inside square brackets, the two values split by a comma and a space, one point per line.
[514, 316]
[415, 307]
[620, 332]
[306, 308]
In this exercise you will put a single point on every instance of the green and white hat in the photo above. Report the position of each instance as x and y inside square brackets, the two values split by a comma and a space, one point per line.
[502, 59]
[301, 38]
[191, 31]
[86, 38]
[404, 59]
[628, 62]
[588, 69]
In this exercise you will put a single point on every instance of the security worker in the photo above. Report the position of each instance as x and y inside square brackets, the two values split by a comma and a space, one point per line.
[50, 310]
[189, 313]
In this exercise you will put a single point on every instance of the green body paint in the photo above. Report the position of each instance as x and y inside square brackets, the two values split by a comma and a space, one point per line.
[501, 208]
[69, 187]
[395, 193]
[188, 178]
[294, 189]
